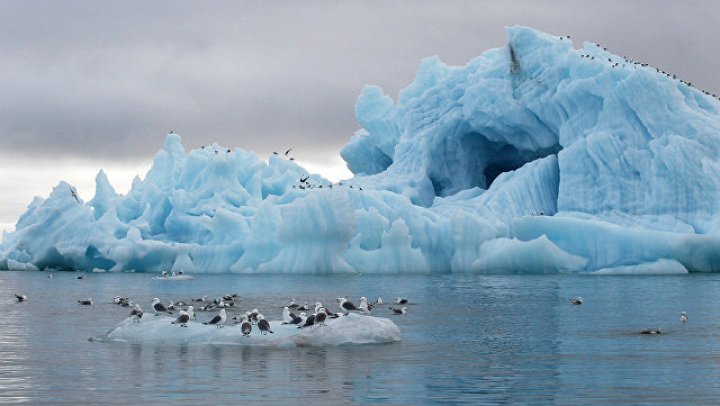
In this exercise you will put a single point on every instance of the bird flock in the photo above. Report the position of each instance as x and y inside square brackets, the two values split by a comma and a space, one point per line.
[301, 316]
[626, 61]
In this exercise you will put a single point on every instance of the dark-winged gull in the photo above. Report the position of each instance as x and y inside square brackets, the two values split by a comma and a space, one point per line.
[263, 325]
[246, 326]
[182, 319]
[577, 300]
[320, 317]
[402, 311]
[85, 302]
[159, 307]
[21, 298]
[218, 320]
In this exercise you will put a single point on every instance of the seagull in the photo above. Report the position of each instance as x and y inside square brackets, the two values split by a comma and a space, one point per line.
[651, 331]
[286, 315]
[347, 305]
[116, 300]
[254, 316]
[80, 277]
[320, 317]
[191, 312]
[684, 317]
[364, 305]
[379, 301]
[399, 312]
[21, 298]
[136, 314]
[182, 319]
[159, 307]
[74, 194]
[577, 300]
[292, 304]
[297, 320]
[288, 151]
[246, 326]
[218, 320]
[86, 302]
[401, 300]
[309, 321]
[305, 306]
[263, 325]
[171, 306]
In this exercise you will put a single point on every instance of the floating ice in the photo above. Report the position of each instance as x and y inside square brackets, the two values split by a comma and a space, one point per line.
[351, 329]
[533, 157]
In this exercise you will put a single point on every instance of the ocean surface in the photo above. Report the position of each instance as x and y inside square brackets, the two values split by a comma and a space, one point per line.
[466, 339]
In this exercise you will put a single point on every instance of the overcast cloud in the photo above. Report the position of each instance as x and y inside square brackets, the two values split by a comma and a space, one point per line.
[98, 83]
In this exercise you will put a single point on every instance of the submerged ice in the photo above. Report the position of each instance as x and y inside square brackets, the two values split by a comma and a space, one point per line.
[533, 157]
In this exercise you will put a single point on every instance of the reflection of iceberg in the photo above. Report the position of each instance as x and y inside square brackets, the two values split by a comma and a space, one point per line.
[352, 329]
[622, 159]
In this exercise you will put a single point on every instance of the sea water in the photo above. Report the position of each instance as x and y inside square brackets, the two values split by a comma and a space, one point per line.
[466, 339]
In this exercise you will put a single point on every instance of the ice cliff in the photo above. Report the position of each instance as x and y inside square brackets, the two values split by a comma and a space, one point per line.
[619, 157]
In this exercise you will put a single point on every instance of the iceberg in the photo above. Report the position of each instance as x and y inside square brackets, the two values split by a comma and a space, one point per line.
[353, 329]
[533, 157]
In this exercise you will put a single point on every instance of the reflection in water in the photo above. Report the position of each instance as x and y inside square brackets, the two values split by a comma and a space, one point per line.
[466, 339]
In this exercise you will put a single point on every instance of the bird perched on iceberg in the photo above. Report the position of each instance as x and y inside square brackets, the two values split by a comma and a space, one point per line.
[218, 320]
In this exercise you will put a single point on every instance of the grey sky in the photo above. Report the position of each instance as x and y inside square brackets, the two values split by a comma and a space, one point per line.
[98, 83]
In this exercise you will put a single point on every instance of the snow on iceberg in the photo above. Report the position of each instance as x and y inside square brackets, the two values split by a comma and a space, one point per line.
[351, 329]
[620, 158]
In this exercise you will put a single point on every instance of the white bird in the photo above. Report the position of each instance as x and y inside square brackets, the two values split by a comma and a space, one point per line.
[286, 317]
[364, 305]
[401, 300]
[292, 304]
[263, 325]
[684, 317]
[191, 312]
[379, 301]
[218, 320]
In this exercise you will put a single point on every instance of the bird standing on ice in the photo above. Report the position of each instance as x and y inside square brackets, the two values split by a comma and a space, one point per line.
[263, 325]
[159, 307]
[136, 314]
[684, 317]
[286, 315]
[364, 305]
[218, 320]
[320, 317]
[246, 326]
[182, 319]
[191, 312]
